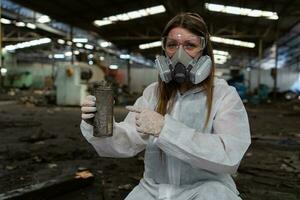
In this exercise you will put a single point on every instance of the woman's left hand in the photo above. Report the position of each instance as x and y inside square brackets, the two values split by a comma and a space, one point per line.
[147, 121]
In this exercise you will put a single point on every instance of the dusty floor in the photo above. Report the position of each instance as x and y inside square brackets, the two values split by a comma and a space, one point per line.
[42, 143]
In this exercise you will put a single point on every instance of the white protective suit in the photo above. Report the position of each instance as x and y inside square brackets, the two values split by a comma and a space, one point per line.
[187, 161]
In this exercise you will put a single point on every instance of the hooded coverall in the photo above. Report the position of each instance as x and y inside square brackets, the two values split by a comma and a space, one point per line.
[188, 160]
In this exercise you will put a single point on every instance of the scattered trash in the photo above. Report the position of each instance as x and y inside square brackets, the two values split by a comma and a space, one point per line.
[57, 109]
[297, 135]
[51, 188]
[10, 167]
[49, 111]
[286, 168]
[125, 187]
[248, 154]
[39, 135]
[140, 158]
[40, 143]
[80, 169]
[52, 165]
[136, 178]
[18, 123]
[84, 174]
[37, 159]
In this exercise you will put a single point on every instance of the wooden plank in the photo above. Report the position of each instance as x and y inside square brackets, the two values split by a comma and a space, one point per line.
[51, 188]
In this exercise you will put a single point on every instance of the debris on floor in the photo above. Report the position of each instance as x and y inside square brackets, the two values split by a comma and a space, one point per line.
[40, 143]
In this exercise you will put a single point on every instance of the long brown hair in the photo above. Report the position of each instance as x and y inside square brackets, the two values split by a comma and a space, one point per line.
[166, 91]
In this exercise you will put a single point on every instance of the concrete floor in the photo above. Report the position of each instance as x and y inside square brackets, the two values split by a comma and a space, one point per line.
[41, 143]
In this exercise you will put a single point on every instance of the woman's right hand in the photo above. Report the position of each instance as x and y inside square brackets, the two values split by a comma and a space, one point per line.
[88, 109]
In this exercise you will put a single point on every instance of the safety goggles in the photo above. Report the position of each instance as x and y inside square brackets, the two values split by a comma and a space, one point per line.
[190, 44]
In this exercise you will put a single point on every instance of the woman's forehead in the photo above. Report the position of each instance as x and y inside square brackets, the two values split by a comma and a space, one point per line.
[181, 34]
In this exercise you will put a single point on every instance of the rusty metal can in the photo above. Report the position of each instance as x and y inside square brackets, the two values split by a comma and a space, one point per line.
[103, 121]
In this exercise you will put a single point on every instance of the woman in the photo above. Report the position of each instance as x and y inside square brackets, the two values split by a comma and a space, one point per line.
[193, 126]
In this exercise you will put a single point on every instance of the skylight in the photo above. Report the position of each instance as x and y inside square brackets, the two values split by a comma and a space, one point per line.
[232, 42]
[130, 15]
[150, 45]
[241, 11]
[27, 44]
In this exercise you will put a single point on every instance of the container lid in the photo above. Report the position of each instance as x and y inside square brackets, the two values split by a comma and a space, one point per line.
[102, 84]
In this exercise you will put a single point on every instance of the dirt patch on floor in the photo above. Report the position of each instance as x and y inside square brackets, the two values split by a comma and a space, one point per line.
[41, 143]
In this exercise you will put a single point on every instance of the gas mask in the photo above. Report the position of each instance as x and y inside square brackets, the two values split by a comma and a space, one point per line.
[182, 67]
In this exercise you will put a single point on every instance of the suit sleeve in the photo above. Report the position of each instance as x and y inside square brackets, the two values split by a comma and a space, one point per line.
[126, 141]
[220, 151]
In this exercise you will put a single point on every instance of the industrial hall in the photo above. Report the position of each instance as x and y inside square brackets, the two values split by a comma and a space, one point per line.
[151, 100]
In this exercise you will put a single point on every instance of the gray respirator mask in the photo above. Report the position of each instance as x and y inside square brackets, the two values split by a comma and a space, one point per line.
[182, 67]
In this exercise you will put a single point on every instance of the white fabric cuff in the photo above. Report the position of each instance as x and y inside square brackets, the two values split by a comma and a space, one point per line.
[167, 133]
[86, 130]
[86, 125]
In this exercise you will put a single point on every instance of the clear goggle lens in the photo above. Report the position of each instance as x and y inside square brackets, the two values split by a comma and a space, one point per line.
[195, 43]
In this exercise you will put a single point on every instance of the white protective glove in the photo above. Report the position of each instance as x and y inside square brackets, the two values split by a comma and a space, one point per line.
[88, 109]
[147, 121]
